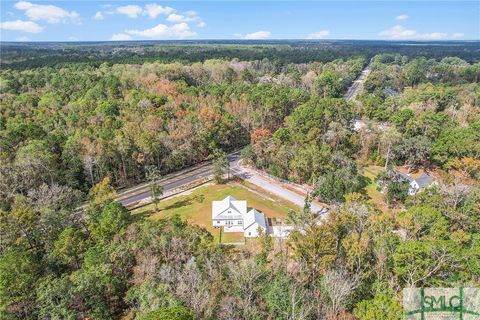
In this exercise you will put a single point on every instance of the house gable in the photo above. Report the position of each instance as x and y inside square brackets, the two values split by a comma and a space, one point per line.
[228, 209]
[254, 218]
[232, 215]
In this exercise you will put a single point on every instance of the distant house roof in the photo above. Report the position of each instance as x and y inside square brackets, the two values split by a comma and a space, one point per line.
[404, 176]
[390, 92]
[425, 180]
[359, 124]
[229, 208]
[254, 216]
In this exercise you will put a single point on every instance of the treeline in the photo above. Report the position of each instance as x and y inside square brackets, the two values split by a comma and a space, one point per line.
[33, 55]
[394, 71]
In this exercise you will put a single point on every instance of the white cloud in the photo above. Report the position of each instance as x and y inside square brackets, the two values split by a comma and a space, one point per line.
[401, 17]
[176, 18]
[399, 32]
[20, 25]
[98, 16]
[433, 36]
[48, 13]
[319, 34]
[179, 30]
[258, 35]
[120, 37]
[189, 16]
[153, 10]
[72, 38]
[457, 35]
[131, 11]
[22, 39]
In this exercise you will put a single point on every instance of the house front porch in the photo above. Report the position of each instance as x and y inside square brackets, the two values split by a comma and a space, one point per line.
[233, 228]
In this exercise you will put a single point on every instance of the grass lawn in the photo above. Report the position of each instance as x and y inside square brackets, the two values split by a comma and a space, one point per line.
[229, 237]
[196, 207]
[371, 172]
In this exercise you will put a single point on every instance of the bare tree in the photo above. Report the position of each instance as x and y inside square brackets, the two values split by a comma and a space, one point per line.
[339, 286]
[194, 290]
[246, 283]
[455, 193]
[54, 197]
[300, 301]
[388, 139]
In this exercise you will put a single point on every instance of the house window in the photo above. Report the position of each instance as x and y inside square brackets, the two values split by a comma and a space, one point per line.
[249, 233]
[240, 222]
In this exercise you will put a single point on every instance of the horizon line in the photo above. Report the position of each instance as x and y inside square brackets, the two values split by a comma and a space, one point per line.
[241, 40]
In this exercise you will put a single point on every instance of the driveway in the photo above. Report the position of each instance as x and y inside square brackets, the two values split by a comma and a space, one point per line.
[275, 187]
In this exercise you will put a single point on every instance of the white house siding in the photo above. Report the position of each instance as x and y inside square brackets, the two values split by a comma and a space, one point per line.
[252, 230]
[252, 221]
[233, 228]
[221, 223]
[413, 188]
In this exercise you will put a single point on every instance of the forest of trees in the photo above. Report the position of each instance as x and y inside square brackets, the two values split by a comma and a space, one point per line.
[75, 125]
[433, 122]
[281, 52]
[74, 132]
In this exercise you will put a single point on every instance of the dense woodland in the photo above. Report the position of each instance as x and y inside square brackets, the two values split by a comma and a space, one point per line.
[30, 55]
[74, 131]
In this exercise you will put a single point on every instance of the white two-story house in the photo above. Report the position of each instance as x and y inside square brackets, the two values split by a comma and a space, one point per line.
[229, 213]
[233, 216]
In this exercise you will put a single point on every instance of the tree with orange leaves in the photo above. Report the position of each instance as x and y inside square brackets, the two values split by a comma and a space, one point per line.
[260, 135]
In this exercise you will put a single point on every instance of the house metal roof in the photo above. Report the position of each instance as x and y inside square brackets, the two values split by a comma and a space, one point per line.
[229, 208]
[254, 216]
[404, 176]
[390, 92]
[425, 180]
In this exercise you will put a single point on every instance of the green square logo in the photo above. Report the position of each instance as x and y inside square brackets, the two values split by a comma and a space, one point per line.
[441, 303]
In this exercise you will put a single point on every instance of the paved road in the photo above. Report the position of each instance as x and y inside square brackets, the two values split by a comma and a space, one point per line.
[173, 181]
[357, 84]
[204, 170]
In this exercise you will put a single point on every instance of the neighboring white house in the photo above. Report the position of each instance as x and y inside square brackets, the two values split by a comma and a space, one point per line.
[232, 215]
[359, 124]
[421, 183]
[417, 185]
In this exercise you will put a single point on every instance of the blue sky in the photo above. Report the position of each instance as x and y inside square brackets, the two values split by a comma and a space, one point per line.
[153, 20]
